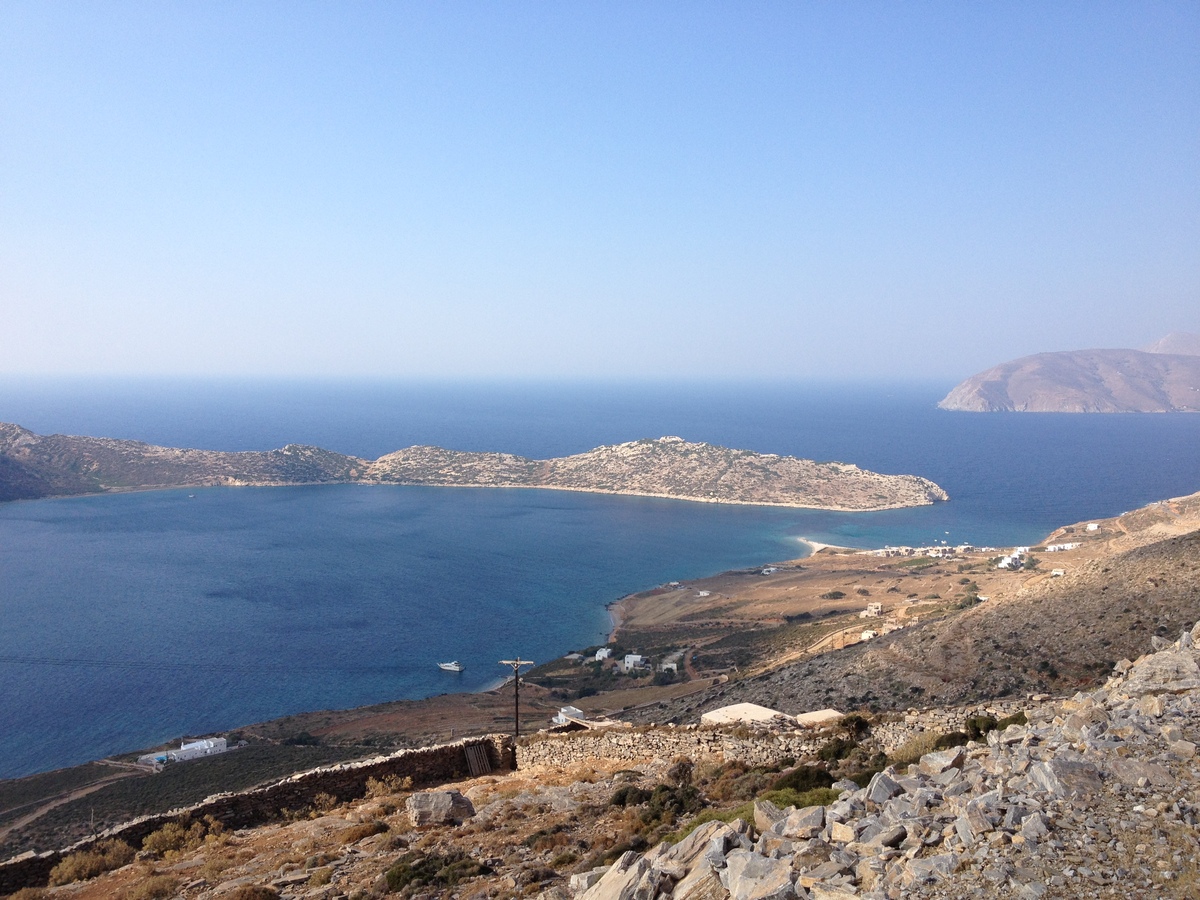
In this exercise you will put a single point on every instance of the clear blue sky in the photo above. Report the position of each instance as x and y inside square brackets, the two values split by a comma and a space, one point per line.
[593, 190]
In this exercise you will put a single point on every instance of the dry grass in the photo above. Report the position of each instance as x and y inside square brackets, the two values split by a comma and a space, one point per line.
[104, 857]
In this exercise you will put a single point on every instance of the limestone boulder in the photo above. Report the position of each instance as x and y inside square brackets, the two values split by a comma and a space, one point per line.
[1169, 672]
[748, 876]
[439, 808]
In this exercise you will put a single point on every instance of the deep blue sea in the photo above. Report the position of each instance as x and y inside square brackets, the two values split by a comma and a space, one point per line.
[131, 619]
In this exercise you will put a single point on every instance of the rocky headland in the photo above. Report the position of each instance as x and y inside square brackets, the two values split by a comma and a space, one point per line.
[1165, 378]
[34, 466]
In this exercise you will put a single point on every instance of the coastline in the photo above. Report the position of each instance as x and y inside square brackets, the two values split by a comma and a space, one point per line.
[132, 489]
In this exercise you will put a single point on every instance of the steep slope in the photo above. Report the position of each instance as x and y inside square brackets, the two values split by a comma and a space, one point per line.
[1055, 636]
[1103, 381]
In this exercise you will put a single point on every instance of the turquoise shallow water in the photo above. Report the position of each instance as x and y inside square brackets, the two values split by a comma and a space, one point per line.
[130, 619]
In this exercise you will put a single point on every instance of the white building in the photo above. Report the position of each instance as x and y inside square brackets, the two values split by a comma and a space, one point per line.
[566, 714]
[187, 750]
[1092, 526]
[603, 653]
[635, 661]
[873, 611]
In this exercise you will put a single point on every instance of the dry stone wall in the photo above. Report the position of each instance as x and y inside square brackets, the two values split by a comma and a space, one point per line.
[668, 742]
[347, 781]
[892, 735]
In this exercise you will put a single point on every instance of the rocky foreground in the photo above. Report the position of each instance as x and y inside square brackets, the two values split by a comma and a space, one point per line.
[33, 466]
[1097, 796]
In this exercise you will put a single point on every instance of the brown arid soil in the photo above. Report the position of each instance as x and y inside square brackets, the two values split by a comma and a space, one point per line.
[1136, 577]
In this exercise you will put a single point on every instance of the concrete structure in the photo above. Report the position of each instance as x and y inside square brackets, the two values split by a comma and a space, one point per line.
[818, 717]
[603, 653]
[635, 661]
[745, 714]
[873, 611]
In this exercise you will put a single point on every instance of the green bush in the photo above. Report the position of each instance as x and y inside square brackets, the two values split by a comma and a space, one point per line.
[838, 748]
[977, 726]
[1017, 718]
[803, 778]
[953, 739]
[629, 795]
[434, 870]
[800, 799]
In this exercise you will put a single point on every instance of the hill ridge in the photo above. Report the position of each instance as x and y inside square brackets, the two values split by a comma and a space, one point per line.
[34, 466]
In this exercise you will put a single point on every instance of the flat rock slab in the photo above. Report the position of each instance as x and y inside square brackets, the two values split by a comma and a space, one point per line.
[1166, 672]
[748, 876]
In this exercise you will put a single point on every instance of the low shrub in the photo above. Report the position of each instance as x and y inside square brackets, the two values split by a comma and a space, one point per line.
[914, 748]
[388, 785]
[252, 892]
[629, 795]
[156, 887]
[953, 739]
[356, 833]
[838, 748]
[1017, 718]
[977, 726]
[800, 799]
[320, 877]
[103, 857]
[433, 870]
[802, 779]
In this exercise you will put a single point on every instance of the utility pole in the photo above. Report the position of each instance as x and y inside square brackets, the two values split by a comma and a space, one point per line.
[516, 667]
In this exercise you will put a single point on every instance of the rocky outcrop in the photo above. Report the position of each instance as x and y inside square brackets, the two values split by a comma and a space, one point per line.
[34, 466]
[1084, 381]
[1097, 796]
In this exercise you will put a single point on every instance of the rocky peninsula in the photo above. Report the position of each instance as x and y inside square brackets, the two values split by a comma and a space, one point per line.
[1163, 377]
[34, 466]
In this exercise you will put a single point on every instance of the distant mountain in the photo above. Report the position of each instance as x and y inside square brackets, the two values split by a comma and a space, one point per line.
[1088, 381]
[1176, 342]
[33, 466]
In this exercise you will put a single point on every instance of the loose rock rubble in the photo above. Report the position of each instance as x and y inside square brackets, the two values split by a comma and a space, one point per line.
[1097, 796]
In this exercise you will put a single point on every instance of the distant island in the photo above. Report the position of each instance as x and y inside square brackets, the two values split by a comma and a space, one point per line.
[1162, 377]
[34, 466]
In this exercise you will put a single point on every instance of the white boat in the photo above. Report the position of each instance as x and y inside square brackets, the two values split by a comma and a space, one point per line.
[455, 666]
